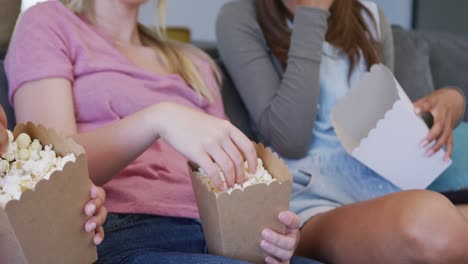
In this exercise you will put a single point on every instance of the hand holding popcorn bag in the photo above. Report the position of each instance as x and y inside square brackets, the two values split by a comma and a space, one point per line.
[260, 176]
[43, 191]
[233, 220]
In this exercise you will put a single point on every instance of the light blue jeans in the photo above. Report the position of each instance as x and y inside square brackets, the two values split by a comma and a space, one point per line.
[329, 178]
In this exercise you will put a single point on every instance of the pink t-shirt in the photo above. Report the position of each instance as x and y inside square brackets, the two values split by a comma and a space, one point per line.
[50, 41]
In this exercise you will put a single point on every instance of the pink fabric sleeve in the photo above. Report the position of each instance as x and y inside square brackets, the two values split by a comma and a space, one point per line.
[38, 50]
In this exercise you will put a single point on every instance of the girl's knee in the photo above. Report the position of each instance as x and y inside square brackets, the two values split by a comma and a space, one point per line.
[429, 227]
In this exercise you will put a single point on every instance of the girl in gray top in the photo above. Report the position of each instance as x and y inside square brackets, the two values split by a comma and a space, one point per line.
[291, 61]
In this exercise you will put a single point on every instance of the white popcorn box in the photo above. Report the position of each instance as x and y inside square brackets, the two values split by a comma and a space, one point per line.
[377, 125]
[232, 223]
[49, 220]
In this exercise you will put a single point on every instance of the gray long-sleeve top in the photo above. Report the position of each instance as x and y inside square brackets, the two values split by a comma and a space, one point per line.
[282, 105]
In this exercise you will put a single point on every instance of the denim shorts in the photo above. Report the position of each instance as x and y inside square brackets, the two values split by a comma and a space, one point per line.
[150, 239]
[326, 180]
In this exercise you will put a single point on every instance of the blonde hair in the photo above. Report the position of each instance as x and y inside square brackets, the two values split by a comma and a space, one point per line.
[173, 53]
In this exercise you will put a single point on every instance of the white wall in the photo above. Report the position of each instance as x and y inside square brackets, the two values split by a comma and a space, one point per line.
[398, 11]
[28, 3]
[200, 15]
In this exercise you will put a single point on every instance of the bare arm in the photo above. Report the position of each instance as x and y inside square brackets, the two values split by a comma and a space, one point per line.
[103, 146]
[111, 148]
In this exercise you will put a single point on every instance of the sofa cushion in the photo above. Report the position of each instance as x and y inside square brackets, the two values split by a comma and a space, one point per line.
[412, 63]
[8, 14]
[456, 176]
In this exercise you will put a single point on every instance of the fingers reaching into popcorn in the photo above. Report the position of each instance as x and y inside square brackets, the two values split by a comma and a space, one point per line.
[261, 175]
[279, 247]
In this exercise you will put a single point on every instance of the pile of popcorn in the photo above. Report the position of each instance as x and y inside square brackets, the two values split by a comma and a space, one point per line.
[24, 164]
[260, 176]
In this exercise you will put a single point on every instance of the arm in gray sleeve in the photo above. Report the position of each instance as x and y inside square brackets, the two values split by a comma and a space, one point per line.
[10, 249]
[283, 109]
[387, 45]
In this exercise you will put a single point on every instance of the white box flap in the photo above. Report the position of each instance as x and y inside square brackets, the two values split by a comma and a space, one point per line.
[364, 105]
[377, 125]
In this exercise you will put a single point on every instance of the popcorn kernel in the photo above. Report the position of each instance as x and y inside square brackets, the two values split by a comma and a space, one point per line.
[23, 141]
[4, 166]
[35, 146]
[23, 154]
[24, 164]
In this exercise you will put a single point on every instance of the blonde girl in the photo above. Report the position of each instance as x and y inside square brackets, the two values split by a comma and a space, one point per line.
[142, 106]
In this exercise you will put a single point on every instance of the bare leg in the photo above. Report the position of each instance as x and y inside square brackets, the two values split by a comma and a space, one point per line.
[405, 227]
[463, 210]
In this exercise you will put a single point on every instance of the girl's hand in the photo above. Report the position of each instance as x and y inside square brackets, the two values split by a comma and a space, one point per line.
[322, 4]
[207, 141]
[97, 214]
[446, 106]
[279, 247]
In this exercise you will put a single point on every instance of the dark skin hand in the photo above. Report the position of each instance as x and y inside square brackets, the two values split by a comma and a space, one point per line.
[446, 106]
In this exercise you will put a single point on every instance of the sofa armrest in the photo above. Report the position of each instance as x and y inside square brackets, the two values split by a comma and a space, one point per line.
[448, 59]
